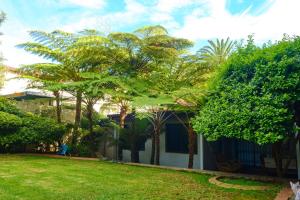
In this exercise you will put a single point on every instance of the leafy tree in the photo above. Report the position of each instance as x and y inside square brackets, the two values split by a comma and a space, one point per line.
[71, 56]
[162, 52]
[257, 98]
[46, 76]
[180, 85]
[51, 46]
[138, 55]
[92, 58]
[193, 77]
[94, 87]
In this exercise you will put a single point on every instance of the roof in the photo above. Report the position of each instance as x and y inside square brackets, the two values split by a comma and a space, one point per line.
[28, 95]
[10, 69]
[170, 115]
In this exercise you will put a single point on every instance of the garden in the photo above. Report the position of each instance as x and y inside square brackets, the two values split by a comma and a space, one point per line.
[36, 177]
[234, 90]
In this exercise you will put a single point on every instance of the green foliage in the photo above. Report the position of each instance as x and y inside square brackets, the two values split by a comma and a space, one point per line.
[102, 134]
[17, 127]
[135, 134]
[48, 112]
[217, 51]
[256, 98]
[9, 122]
[9, 107]
[40, 130]
[33, 129]
[146, 68]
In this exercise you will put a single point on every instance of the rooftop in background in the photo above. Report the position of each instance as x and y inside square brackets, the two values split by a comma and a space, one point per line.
[10, 69]
[28, 95]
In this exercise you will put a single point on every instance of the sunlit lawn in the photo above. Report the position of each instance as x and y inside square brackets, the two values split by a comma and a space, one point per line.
[34, 177]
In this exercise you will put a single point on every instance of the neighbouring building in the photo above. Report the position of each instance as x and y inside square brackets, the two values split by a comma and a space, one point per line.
[225, 154]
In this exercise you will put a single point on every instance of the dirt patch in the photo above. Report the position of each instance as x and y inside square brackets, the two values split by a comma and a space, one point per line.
[284, 194]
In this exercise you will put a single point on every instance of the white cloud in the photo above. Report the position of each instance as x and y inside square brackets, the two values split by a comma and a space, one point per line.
[134, 12]
[14, 34]
[88, 22]
[162, 12]
[207, 19]
[86, 3]
[279, 17]
[168, 6]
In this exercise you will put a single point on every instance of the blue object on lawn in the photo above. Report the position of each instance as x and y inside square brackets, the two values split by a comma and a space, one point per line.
[63, 150]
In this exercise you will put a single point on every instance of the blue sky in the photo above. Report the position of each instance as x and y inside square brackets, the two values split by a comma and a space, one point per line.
[197, 20]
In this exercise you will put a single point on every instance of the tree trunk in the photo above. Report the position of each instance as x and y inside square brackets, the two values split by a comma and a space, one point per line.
[157, 145]
[123, 113]
[104, 147]
[152, 148]
[134, 154]
[58, 106]
[59, 143]
[276, 147]
[192, 140]
[77, 117]
[297, 113]
[90, 116]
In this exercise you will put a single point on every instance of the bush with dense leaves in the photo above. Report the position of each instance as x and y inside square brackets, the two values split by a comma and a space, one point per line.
[101, 136]
[20, 128]
[9, 107]
[9, 122]
[258, 96]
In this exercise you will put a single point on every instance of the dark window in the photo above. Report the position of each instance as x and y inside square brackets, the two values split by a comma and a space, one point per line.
[125, 140]
[177, 139]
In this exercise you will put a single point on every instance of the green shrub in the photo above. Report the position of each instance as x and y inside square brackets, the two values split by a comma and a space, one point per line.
[9, 122]
[41, 130]
[8, 107]
[18, 128]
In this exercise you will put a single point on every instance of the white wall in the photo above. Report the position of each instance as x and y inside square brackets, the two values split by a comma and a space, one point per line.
[166, 159]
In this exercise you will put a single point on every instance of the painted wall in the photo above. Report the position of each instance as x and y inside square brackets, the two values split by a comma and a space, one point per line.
[36, 106]
[166, 158]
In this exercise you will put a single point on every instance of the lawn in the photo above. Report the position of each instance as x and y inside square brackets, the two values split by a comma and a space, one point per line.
[243, 182]
[35, 177]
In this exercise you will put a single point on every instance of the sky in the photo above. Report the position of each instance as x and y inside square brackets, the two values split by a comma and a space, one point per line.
[197, 20]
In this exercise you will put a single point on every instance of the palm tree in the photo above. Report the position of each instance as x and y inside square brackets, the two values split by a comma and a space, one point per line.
[72, 56]
[45, 76]
[217, 51]
[55, 47]
[2, 18]
[50, 46]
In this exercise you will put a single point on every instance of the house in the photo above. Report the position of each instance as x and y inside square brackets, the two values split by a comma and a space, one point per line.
[36, 100]
[225, 154]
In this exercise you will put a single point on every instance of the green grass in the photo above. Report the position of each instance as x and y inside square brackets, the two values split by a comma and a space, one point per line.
[34, 177]
[242, 181]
